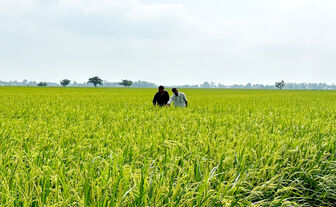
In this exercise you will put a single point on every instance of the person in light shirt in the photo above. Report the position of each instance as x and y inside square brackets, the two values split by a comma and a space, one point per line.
[179, 99]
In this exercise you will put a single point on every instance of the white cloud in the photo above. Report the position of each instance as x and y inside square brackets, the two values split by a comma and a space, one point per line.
[201, 40]
[93, 6]
[117, 18]
[142, 11]
[14, 7]
[291, 5]
[132, 8]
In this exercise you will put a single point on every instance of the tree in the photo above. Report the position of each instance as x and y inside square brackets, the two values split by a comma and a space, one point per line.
[65, 82]
[144, 84]
[42, 84]
[280, 84]
[126, 83]
[205, 85]
[95, 81]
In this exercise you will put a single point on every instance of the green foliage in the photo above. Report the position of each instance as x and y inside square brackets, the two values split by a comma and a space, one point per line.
[65, 82]
[95, 81]
[110, 147]
[126, 83]
[280, 84]
[42, 84]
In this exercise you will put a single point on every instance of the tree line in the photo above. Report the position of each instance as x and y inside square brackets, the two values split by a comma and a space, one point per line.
[127, 83]
[145, 84]
[95, 81]
[98, 81]
[67, 82]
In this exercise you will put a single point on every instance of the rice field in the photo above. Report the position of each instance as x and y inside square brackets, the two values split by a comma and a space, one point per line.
[111, 147]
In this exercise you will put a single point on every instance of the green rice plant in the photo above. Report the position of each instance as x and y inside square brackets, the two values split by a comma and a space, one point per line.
[111, 147]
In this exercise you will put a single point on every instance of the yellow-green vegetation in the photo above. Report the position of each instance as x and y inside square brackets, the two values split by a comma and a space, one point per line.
[111, 147]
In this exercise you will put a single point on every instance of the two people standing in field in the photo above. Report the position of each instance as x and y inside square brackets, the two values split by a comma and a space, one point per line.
[161, 98]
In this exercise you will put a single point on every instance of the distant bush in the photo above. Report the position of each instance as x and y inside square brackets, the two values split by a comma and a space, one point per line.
[42, 84]
[65, 82]
[126, 83]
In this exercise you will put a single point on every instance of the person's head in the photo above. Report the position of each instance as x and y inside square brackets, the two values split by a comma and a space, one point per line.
[175, 91]
[161, 89]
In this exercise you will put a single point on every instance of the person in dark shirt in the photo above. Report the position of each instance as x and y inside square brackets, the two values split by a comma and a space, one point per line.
[161, 98]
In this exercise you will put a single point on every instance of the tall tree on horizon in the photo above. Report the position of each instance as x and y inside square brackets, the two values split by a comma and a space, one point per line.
[280, 84]
[65, 82]
[95, 81]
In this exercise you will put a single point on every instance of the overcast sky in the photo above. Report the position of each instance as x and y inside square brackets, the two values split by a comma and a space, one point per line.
[169, 41]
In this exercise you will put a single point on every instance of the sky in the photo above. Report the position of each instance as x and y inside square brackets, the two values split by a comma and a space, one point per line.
[169, 41]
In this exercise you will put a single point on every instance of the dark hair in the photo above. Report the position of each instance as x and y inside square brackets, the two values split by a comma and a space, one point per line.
[174, 89]
[161, 87]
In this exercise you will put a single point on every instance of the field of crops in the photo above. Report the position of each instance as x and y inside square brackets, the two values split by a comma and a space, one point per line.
[111, 147]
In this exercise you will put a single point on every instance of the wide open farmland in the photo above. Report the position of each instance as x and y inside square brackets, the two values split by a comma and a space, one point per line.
[111, 147]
